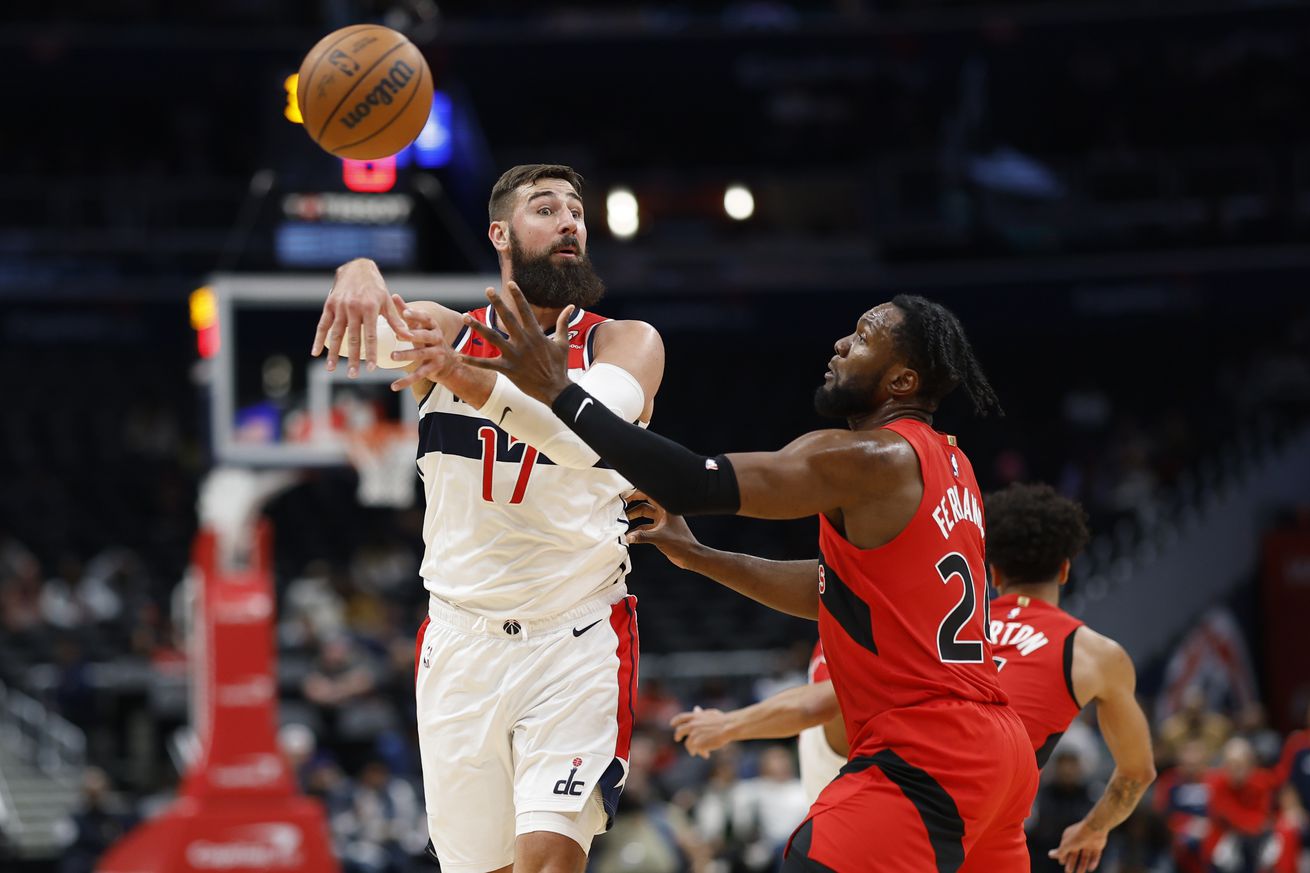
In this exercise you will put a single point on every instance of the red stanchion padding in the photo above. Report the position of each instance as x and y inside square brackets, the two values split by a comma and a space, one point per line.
[238, 809]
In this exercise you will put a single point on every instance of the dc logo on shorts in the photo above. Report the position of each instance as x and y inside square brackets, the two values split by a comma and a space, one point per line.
[512, 627]
[427, 656]
[823, 582]
[569, 786]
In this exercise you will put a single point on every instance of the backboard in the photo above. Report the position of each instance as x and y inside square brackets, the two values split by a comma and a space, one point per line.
[270, 403]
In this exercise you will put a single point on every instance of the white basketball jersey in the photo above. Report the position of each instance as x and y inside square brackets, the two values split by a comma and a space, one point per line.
[819, 763]
[508, 533]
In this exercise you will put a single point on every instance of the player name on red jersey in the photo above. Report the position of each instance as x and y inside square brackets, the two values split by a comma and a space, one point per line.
[1024, 637]
[957, 505]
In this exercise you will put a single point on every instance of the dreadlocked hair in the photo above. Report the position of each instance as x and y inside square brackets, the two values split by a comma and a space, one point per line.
[933, 343]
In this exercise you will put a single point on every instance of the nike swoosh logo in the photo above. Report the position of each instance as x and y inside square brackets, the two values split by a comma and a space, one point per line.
[580, 408]
[578, 633]
[502, 416]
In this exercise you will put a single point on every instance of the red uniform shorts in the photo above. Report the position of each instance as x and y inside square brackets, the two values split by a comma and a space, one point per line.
[946, 788]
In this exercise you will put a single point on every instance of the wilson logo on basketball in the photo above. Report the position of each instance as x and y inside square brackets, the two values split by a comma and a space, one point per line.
[383, 95]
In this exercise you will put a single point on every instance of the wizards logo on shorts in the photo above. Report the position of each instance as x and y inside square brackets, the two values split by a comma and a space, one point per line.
[569, 786]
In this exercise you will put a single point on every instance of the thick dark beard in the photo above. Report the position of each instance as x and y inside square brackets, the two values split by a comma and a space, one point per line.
[554, 286]
[836, 401]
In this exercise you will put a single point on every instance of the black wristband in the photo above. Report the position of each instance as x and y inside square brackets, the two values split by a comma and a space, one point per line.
[677, 478]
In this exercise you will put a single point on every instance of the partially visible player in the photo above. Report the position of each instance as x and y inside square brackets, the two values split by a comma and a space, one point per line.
[1052, 665]
[527, 663]
[941, 774]
[809, 712]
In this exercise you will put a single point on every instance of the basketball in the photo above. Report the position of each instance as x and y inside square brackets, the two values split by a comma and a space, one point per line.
[364, 91]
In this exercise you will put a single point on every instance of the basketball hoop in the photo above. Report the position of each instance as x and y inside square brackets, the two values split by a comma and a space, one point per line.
[383, 455]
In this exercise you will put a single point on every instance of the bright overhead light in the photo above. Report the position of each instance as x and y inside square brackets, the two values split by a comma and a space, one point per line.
[621, 213]
[738, 202]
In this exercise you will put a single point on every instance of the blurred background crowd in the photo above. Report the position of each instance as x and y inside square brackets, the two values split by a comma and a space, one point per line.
[1113, 198]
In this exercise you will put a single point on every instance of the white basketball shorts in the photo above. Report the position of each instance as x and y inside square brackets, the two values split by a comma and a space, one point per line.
[819, 763]
[518, 720]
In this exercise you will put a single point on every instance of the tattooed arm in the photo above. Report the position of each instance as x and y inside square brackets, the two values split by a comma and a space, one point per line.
[1103, 672]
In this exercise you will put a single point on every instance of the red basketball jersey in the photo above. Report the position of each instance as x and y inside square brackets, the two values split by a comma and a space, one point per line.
[904, 625]
[582, 336]
[1032, 641]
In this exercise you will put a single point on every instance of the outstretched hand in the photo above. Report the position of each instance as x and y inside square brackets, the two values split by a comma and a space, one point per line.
[350, 314]
[432, 356]
[537, 364]
[702, 730]
[667, 532]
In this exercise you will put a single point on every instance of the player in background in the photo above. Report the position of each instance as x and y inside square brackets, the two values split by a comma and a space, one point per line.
[808, 712]
[527, 663]
[1051, 665]
[941, 774]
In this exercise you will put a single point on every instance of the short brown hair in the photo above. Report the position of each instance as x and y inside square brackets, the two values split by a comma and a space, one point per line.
[525, 174]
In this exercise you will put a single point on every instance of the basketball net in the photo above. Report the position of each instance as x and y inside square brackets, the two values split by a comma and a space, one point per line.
[383, 455]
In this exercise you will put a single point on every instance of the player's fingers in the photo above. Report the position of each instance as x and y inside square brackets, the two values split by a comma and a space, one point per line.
[417, 319]
[392, 313]
[356, 316]
[508, 317]
[371, 343]
[321, 332]
[496, 364]
[562, 326]
[492, 337]
[407, 380]
[1095, 859]
[640, 511]
[522, 309]
[680, 718]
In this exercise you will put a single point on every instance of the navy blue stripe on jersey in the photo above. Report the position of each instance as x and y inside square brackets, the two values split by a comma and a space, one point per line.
[458, 344]
[450, 433]
[845, 605]
[589, 346]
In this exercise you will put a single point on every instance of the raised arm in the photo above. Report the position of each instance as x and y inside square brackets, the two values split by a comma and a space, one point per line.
[819, 472]
[785, 714]
[624, 376]
[1103, 672]
[787, 586]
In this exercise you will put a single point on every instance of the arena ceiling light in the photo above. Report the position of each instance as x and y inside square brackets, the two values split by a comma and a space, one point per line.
[738, 202]
[621, 213]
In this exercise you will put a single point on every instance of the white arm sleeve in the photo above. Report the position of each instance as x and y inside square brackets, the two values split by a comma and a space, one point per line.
[533, 422]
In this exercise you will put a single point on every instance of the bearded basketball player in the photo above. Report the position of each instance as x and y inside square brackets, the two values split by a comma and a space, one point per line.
[526, 666]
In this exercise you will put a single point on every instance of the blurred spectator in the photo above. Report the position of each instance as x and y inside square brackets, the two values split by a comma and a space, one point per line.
[713, 811]
[1194, 721]
[385, 825]
[1062, 802]
[73, 696]
[1294, 766]
[338, 679]
[101, 819]
[298, 745]
[1242, 812]
[767, 809]
[1182, 798]
[312, 609]
[1252, 725]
